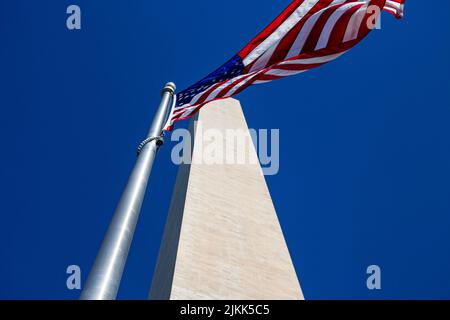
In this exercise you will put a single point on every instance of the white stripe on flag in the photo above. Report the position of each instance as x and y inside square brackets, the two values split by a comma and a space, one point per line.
[283, 73]
[331, 22]
[355, 24]
[281, 31]
[317, 60]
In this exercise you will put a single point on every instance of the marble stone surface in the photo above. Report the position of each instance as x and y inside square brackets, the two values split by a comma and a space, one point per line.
[222, 238]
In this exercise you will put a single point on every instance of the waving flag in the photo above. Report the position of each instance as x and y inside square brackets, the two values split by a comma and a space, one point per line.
[307, 34]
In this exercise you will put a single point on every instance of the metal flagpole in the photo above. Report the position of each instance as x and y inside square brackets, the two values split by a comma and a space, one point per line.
[106, 273]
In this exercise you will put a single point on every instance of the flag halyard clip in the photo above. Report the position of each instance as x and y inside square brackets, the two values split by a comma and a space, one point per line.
[159, 142]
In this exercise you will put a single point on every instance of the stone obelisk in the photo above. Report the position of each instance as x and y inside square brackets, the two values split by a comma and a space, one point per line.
[222, 238]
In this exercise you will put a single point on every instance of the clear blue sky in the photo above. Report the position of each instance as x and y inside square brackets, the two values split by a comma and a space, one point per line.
[365, 153]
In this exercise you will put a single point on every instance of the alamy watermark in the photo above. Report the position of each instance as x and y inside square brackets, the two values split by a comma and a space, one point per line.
[228, 147]
[374, 280]
[73, 21]
[73, 281]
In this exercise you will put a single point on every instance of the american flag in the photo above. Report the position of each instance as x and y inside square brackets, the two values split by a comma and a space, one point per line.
[307, 34]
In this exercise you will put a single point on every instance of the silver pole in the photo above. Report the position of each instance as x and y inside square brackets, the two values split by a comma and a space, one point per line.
[104, 279]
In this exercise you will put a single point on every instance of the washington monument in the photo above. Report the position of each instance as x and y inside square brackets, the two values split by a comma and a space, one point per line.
[222, 238]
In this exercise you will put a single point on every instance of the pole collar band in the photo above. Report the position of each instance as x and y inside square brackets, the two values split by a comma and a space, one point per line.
[169, 87]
